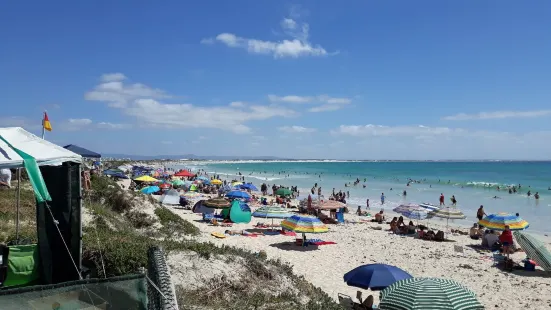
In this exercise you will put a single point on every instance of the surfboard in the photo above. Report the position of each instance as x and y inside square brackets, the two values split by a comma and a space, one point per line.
[218, 235]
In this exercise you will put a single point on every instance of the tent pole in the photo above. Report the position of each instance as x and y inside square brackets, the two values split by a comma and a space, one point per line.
[18, 201]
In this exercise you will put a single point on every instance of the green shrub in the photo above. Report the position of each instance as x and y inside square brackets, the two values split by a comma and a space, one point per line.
[174, 224]
[140, 219]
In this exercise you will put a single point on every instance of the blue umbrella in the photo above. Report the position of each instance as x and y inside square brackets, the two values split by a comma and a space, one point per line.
[375, 276]
[203, 178]
[249, 186]
[225, 188]
[237, 195]
[120, 176]
[416, 214]
[150, 190]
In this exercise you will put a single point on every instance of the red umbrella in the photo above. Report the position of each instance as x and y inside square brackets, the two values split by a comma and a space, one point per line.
[183, 173]
[164, 185]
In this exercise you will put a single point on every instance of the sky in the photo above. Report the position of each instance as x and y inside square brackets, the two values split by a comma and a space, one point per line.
[352, 79]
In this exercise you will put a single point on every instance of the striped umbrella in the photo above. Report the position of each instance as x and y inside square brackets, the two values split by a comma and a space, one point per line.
[500, 220]
[217, 203]
[330, 205]
[408, 208]
[304, 224]
[534, 248]
[272, 212]
[449, 213]
[416, 214]
[428, 293]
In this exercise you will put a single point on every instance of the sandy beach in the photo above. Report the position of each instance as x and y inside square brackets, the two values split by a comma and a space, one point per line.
[359, 244]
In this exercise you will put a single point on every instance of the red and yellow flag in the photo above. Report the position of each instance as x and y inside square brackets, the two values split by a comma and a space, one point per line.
[46, 123]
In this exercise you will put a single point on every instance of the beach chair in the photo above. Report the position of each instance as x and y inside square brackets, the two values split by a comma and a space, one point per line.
[346, 301]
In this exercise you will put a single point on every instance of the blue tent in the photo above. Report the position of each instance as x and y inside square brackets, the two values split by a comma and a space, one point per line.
[82, 151]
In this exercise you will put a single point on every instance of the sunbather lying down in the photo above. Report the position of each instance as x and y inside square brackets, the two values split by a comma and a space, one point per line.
[240, 232]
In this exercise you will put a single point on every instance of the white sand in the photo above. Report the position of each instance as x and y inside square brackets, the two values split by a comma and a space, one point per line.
[359, 244]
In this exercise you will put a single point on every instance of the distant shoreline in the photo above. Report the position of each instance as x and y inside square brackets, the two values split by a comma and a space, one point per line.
[229, 161]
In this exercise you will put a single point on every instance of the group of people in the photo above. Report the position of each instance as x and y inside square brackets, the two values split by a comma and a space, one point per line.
[491, 240]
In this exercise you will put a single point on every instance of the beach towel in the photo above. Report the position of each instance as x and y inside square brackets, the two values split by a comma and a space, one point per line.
[323, 242]
[288, 233]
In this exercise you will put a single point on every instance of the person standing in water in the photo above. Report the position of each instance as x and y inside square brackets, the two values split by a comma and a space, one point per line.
[454, 201]
[367, 203]
[382, 198]
[480, 213]
[441, 199]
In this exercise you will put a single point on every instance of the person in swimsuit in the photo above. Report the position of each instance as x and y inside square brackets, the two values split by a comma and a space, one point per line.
[480, 213]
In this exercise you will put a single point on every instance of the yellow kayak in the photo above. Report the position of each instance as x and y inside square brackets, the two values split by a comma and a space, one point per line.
[218, 235]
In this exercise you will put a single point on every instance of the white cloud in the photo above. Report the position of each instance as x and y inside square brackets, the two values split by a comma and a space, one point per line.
[326, 108]
[237, 104]
[291, 99]
[112, 77]
[423, 142]
[497, 115]
[107, 125]
[379, 130]
[158, 114]
[296, 129]
[297, 46]
[140, 102]
[80, 121]
[328, 103]
[310, 99]
[118, 94]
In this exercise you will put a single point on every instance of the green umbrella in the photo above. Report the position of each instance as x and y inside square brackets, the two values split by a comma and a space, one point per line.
[178, 182]
[217, 203]
[283, 192]
[428, 293]
[534, 248]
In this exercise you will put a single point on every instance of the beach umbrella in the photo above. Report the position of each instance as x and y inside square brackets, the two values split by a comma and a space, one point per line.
[191, 195]
[183, 173]
[375, 276]
[225, 188]
[216, 182]
[535, 249]
[145, 178]
[283, 192]
[272, 213]
[217, 203]
[428, 293]
[249, 186]
[304, 224]
[120, 176]
[150, 190]
[406, 208]
[236, 183]
[416, 214]
[498, 221]
[237, 195]
[202, 178]
[428, 206]
[329, 205]
[165, 185]
[178, 182]
[449, 213]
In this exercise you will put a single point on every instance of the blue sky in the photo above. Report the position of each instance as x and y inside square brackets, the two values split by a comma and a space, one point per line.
[312, 79]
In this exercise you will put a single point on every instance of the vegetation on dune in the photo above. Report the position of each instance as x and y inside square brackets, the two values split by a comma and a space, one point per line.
[117, 235]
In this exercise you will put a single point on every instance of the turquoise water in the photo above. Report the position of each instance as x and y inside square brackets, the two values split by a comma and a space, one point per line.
[472, 183]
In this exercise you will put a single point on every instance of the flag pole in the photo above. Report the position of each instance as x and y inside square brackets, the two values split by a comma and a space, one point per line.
[43, 129]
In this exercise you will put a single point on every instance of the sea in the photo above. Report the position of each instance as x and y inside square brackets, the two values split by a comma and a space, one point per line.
[472, 183]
